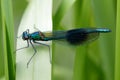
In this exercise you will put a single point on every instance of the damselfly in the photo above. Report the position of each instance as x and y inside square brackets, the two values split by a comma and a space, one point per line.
[74, 37]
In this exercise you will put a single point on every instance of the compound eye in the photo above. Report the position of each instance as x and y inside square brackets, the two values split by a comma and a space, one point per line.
[25, 36]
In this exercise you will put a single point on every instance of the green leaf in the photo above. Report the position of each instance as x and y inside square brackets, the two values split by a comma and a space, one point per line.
[8, 39]
[117, 47]
[1, 49]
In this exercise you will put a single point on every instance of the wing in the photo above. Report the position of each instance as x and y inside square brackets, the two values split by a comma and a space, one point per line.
[76, 36]
[84, 35]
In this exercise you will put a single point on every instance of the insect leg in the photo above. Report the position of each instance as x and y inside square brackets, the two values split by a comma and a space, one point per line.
[24, 47]
[48, 47]
[35, 51]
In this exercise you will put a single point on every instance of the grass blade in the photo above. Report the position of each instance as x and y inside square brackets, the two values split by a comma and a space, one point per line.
[8, 39]
[1, 49]
[117, 49]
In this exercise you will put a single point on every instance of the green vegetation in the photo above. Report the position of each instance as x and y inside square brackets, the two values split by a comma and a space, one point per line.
[98, 60]
[93, 61]
[117, 50]
[7, 47]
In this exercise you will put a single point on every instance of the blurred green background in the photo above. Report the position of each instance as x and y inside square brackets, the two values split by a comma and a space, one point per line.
[93, 61]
